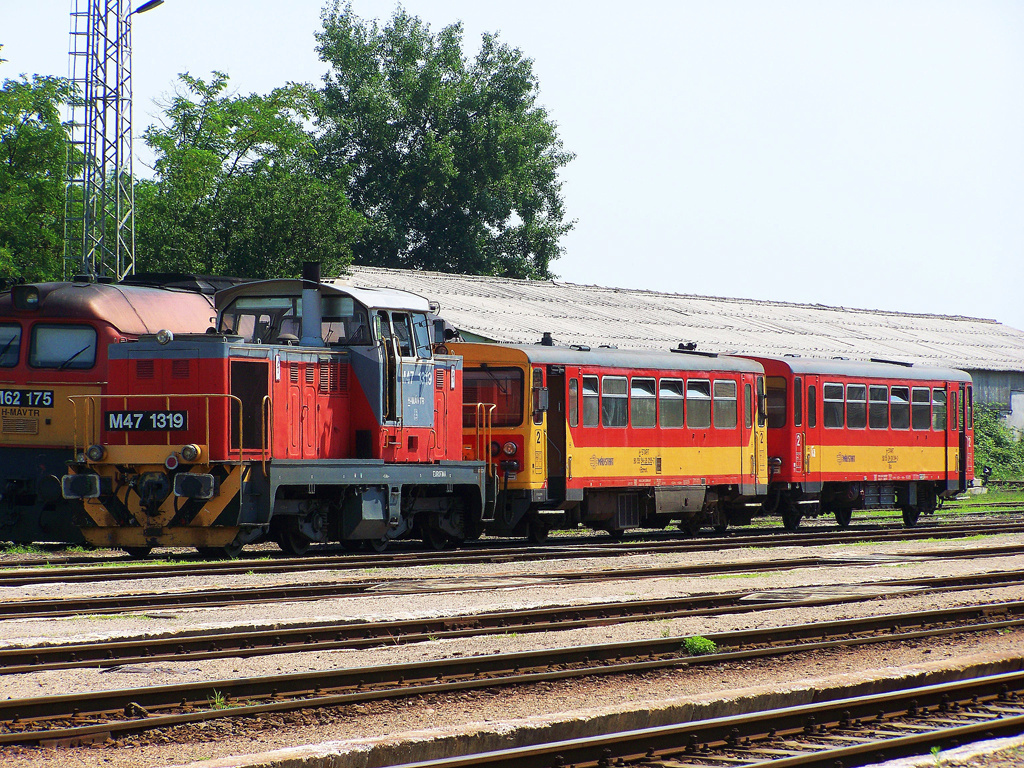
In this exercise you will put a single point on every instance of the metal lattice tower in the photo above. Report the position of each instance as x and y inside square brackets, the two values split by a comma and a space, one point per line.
[99, 237]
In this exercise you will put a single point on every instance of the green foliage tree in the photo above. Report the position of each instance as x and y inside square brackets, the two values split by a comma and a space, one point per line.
[33, 160]
[996, 446]
[234, 190]
[452, 161]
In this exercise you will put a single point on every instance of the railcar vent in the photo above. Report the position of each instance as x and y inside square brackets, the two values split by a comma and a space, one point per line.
[439, 378]
[328, 376]
[343, 378]
[144, 369]
[294, 372]
[16, 426]
[310, 374]
[181, 369]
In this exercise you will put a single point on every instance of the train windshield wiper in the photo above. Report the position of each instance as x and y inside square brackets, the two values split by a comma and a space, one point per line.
[3, 352]
[68, 362]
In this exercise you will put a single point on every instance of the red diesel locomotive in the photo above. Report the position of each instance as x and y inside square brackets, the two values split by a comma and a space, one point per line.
[845, 435]
[317, 412]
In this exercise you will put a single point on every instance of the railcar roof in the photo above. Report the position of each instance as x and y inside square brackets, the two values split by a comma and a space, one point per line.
[870, 370]
[628, 358]
[374, 298]
[131, 309]
[519, 311]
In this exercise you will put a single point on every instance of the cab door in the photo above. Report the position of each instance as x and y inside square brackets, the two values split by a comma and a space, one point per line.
[555, 432]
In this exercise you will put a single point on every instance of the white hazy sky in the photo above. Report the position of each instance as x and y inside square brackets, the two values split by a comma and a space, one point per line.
[859, 153]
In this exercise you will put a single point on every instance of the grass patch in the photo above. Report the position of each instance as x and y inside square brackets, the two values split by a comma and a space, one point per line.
[699, 646]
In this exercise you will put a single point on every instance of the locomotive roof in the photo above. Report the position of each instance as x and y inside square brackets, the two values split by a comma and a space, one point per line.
[629, 358]
[373, 298]
[131, 309]
[869, 369]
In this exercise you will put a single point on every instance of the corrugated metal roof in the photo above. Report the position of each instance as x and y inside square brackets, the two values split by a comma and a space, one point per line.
[519, 311]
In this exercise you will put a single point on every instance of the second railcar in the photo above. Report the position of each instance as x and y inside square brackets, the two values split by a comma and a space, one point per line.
[846, 435]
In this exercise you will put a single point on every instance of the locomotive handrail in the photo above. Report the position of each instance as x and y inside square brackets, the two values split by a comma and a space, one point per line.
[91, 423]
[268, 434]
[483, 417]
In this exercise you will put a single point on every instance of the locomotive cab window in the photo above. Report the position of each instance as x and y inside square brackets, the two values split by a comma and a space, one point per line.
[833, 403]
[591, 402]
[644, 402]
[263, 319]
[776, 402]
[672, 409]
[921, 408]
[64, 347]
[614, 402]
[899, 407]
[344, 323]
[878, 407]
[725, 404]
[502, 387]
[856, 406]
[10, 345]
[698, 403]
[401, 325]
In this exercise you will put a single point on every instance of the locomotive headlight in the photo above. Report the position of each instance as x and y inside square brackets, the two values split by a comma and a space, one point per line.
[495, 448]
[96, 452]
[509, 448]
[190, 452]
[164, 336]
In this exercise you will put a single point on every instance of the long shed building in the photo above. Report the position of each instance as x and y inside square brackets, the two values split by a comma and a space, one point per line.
[521, 311]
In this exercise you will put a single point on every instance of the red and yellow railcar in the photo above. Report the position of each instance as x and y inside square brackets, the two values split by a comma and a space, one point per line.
[614, 439]
[845, 435]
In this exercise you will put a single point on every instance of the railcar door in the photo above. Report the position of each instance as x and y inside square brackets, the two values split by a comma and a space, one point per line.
[556, 431]
[812, 429]
[965, 423]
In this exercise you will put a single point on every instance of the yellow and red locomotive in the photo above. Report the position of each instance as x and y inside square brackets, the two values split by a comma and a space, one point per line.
[315, 412]
[845, 435]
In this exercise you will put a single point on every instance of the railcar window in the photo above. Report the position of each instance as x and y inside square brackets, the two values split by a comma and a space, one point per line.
[501, 386]
[614, 402]
[939, 409]
[725, 404]
[672, 408]
[812, 406]
[776, 402]
[832, 401]
[538, 385]
[969, 412]
[644, 405]
[878, 407]
[748, 406]
[899, 407]
[574, 402]
[10, 345]
[856, 406]
[591, 402]
[954, 412]
[62, 347]
[921, 408]
[798, 404]
[762, 417]
[698, 403]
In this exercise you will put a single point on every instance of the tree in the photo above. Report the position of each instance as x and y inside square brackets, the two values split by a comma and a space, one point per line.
[234, 192]
[33, 161]
[452, 161]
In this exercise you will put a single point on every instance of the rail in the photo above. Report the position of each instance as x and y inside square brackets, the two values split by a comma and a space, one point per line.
[92, 423]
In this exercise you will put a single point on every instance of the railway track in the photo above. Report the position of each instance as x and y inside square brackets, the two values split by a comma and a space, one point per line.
[77, 719]
[845, 732]
[106, 604]
[89, 572]
[302, 638]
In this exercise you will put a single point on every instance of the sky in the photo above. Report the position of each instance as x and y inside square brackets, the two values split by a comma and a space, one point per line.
[857, 153]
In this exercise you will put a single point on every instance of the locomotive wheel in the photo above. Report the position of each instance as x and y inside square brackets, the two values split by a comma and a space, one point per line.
[138, 552]
[538, 532]
[616, 534]
[436, 539]
[910, 515]
[228, 552]
[843, 517]
[378, 545]
[293, 542]
[790, 513]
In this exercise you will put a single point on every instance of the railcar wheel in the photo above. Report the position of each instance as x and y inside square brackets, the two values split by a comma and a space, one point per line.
[843, 517]
[293, 542]
[910, 516]
[378, 545]
[616, 534]
[790, 513]
[538, 532]
[227, 552]
[137, 552]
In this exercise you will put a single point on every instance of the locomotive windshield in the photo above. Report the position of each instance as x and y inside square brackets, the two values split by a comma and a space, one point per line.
[502, 387]
[62, 347]
[278, 319]
[10, 344]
